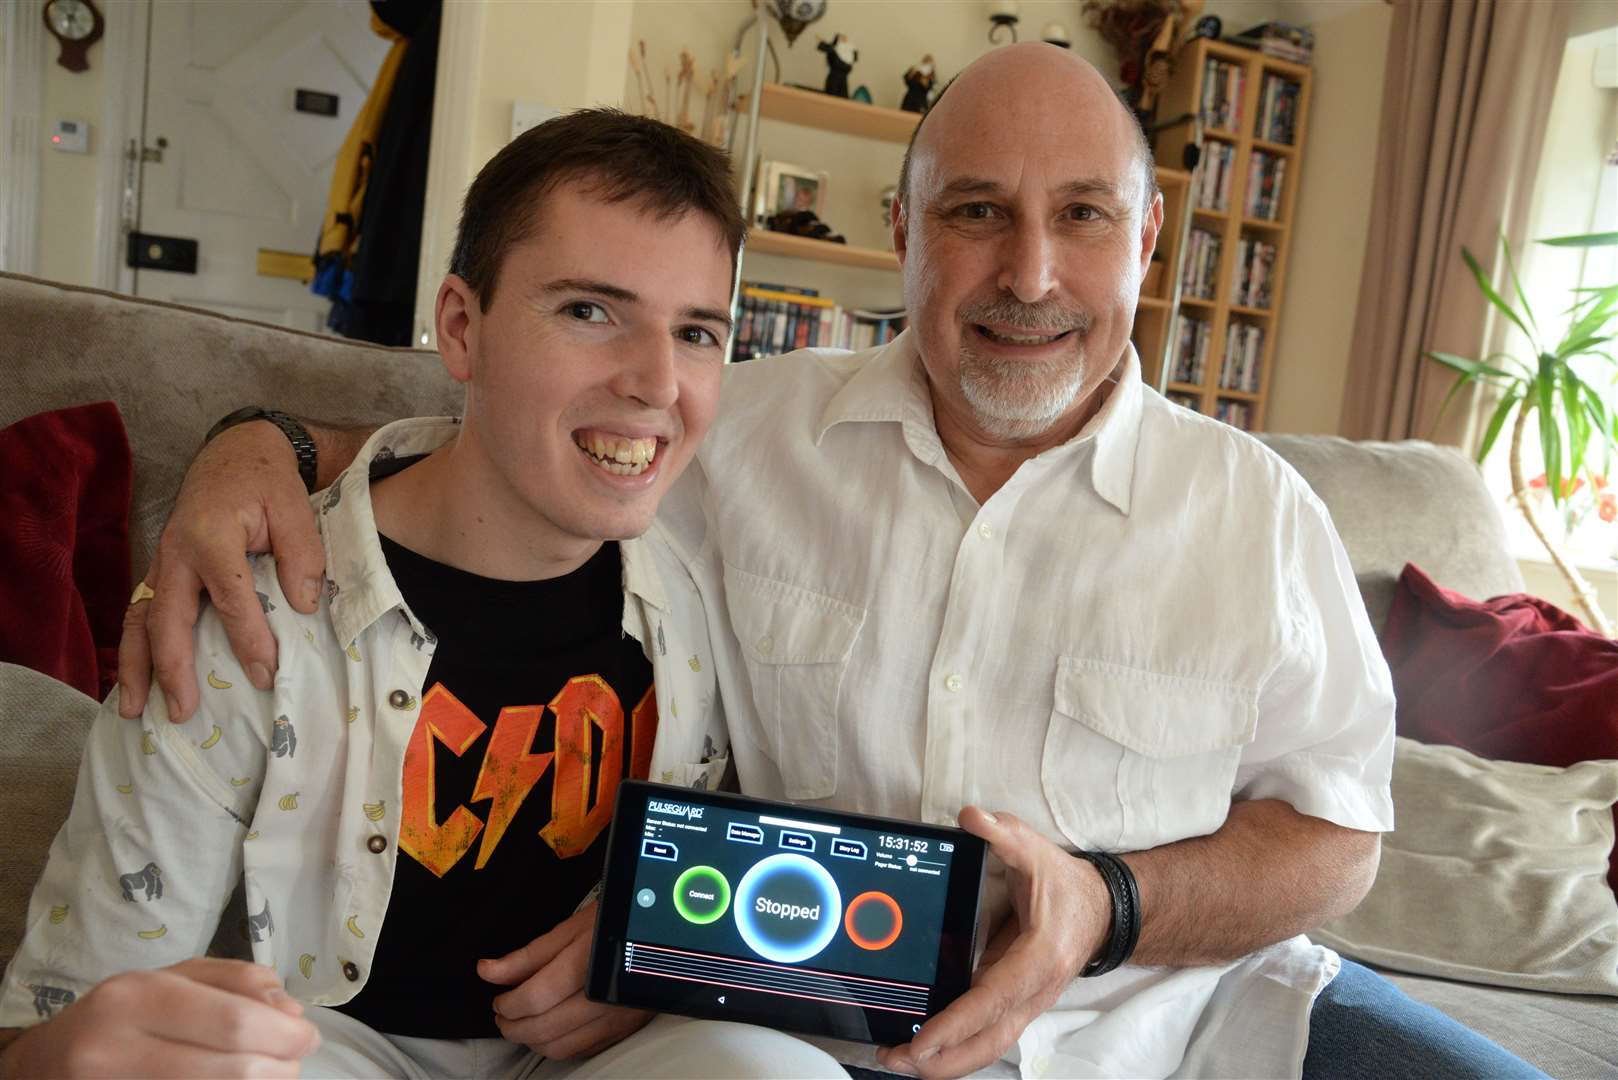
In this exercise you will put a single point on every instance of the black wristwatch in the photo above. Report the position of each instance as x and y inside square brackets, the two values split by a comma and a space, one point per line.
[296, 433]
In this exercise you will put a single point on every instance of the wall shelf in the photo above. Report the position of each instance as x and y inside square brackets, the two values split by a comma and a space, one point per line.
[764, 242]
[810, 108]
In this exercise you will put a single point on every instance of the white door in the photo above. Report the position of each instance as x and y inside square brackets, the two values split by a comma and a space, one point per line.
[242, 170]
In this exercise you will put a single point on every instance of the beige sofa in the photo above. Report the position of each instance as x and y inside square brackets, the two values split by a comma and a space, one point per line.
[173, 371]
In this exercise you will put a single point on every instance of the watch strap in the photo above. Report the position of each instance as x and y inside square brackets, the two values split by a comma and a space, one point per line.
[302, 444]
[1125, 895]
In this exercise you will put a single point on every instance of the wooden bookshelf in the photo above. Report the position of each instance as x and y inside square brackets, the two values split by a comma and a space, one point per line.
[1153, 311]
[1184, 94]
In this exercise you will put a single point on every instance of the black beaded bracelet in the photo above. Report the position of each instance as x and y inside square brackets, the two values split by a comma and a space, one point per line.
[1125, 932]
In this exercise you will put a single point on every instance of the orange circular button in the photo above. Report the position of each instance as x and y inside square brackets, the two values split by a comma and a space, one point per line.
[873, 920]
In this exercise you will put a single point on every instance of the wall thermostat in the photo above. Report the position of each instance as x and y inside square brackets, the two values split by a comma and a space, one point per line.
[72, 136]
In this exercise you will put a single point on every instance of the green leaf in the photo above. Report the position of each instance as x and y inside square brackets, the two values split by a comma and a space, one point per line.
[1591, 323]
[1501, 412]
[1580, 347]
[1494, 297]
[1595, 409]
[1584, 240]
[1550, 434]
[1522, 297]
[1578, 432]
[1472, 369]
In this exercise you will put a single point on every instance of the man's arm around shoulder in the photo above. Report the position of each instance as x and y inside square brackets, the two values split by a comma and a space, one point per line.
[242, 494]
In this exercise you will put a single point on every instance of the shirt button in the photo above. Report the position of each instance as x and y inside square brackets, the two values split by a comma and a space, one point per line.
[953, 684]
[351, 971]
[377, 844]
[986, 531]
[399, 699]
[766, 645]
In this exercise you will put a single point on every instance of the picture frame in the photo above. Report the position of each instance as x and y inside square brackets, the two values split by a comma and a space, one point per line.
[784, 186]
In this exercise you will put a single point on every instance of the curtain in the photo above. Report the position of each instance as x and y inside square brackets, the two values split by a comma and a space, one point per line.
[1464, 104]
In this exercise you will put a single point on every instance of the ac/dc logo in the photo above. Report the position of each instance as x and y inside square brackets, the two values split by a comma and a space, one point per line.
[510, 770]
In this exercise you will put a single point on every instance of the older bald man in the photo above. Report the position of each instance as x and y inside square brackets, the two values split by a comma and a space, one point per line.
[984, 566]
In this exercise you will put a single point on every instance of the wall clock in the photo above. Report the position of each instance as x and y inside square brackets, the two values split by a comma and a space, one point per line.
[77, 25]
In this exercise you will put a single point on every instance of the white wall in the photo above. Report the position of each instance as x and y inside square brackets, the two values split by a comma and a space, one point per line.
[563, 53]
[67, 237]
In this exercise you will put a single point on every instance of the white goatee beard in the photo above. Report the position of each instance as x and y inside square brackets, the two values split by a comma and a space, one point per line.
[1021, 399]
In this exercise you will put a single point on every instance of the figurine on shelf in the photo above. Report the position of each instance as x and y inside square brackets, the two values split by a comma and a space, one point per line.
[918, 83]
[840, 58]
[802, 223]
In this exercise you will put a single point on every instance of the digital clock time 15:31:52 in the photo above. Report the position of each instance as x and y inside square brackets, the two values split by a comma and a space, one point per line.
[903, 843]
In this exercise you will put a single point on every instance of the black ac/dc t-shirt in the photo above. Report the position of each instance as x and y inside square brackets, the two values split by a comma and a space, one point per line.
[536, 704]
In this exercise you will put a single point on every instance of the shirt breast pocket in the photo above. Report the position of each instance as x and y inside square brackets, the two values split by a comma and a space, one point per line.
[796, 644]
[1134, 758]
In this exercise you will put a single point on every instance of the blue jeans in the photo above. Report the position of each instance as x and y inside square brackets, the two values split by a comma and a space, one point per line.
[1362, 1025]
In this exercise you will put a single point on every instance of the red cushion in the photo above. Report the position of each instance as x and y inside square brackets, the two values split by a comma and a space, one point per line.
[64, 544]
[1512, 678]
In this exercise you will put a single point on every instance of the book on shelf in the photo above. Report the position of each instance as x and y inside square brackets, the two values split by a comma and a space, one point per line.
[1265, 174]
[773, 319]
[1255, 273]
[1285, 41]
[1241, 368]
[1277, 110]
[1235, 413]
[1190, 349]
[1222, 84]
[1213, 176]
[1201, 268]
[1185, 401]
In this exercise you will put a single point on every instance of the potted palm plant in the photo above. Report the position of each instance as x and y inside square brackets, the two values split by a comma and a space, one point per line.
[1578, 413]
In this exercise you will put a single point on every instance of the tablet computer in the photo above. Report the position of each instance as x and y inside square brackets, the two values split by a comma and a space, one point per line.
[732, 908]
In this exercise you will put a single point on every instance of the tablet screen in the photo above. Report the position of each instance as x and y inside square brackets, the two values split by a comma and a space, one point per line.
[809, 920]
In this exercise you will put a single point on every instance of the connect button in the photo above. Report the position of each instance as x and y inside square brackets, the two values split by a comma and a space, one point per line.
[953, 683]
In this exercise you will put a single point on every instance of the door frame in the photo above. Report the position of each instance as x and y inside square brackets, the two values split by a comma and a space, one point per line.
[22, 134]
[123, 116]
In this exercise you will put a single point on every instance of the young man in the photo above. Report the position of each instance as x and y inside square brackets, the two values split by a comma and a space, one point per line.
[424, 788]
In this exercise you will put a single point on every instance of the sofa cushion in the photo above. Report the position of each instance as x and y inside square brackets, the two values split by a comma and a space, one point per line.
[172, 371]
[1562, 1034]
[64, 541]
[1396, 503]
[45, 723]
[1495, 874]
[1512, 678]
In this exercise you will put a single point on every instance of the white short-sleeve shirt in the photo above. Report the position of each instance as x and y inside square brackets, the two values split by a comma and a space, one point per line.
[1141, 626]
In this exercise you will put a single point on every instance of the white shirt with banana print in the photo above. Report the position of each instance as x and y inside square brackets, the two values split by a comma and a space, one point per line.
[295, 794]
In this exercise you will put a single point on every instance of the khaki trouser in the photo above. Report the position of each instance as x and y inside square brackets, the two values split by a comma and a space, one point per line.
[669, 1048]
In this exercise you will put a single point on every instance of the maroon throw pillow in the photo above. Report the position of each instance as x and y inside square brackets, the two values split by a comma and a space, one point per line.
[1512, 678]
[64, 544]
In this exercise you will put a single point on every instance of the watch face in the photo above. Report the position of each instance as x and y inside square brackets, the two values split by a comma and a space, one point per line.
[71, 19]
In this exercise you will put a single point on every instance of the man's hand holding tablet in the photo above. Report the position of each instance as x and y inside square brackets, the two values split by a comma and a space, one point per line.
[817, 921]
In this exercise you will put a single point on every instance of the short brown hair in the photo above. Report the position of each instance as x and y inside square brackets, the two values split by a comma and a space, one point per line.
[621, 157]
